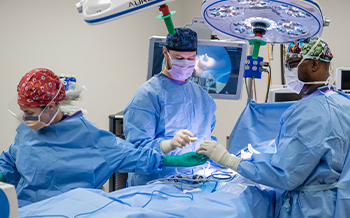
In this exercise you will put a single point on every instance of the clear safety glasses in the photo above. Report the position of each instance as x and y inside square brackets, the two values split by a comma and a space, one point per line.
[14, 109]
[292, 64]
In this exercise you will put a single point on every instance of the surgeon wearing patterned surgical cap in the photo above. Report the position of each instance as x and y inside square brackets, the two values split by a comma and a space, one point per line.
[169, 112]
[311, 145]
[54, 153]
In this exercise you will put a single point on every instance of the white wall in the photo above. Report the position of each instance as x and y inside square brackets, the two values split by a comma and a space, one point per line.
[111, 59]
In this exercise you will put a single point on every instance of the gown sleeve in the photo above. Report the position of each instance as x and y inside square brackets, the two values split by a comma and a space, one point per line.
[302, 141]
[8, 164]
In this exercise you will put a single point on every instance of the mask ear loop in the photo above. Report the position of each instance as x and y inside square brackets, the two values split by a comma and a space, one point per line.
[330, 79]
[52, 101]
[170, 62]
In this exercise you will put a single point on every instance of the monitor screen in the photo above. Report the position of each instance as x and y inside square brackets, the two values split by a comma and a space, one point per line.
[282, 97]
[219, 66]
[345, 80]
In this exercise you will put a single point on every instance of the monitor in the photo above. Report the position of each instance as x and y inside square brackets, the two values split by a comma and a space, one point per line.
[219, 66]
[343, 79]
[282, 93]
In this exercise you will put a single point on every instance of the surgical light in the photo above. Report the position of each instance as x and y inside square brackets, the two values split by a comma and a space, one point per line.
[102, 11]
[277, 21]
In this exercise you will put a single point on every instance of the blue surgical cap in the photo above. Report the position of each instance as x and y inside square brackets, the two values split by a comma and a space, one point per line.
[184, 39]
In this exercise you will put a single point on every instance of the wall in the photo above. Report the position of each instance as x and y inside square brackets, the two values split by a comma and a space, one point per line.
[111, 59]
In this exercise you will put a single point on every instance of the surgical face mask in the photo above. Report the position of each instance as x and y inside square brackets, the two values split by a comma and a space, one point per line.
[35, 122]
[291, 75]
[293, 82]
[181, 69]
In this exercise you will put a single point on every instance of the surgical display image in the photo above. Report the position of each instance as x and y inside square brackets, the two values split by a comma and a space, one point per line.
[216, 70]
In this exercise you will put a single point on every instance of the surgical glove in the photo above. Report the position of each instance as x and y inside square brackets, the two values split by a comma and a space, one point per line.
[180, 140]
[185, 160]
[2, 178]
[218, 153]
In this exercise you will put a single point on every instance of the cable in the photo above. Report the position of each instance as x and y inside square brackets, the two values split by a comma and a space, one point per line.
[269, 75]
[177, 179]
[282, 64]
[269, 84]
[94, 210]
[256, 98]
[246, 86]
[48, 216]
[168, 195]
[221, 176]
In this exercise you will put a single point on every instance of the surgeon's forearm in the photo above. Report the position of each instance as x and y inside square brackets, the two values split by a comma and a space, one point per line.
[2, 178]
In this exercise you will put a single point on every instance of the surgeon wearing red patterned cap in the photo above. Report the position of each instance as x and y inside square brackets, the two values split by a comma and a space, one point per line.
[59, 152]
[38, 93]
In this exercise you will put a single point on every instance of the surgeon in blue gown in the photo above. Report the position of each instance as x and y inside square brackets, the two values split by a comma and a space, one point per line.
[169, 112]
[312, 142]
[54, 153]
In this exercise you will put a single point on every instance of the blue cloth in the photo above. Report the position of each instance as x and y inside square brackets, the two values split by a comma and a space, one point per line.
[312, 144]
[70, 154]
[343, 195]
[257, 123]
[161, 200]
[184, 39]
[159, 109]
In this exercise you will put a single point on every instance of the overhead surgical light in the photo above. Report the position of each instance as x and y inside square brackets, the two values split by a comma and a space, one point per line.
[261, 22]
[102, 11]
[278, 21]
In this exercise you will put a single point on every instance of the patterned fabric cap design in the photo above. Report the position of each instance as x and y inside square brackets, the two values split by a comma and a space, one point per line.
[38, 87]
[184, 39]
[300, 48]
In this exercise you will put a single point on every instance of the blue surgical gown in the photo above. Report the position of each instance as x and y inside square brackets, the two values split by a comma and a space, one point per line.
[159, 109]
[311, 148]
[67, 155]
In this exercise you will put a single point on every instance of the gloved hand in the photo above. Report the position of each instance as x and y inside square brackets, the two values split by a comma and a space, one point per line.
[180, 140]
[185, 160]
[218, 153]
[2, 178]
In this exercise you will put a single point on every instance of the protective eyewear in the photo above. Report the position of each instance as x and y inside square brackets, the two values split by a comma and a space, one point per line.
[15, 110]
[292, 64]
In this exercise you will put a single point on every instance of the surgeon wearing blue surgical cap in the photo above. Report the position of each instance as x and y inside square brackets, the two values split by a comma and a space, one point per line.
[312, 142]
[169, 112]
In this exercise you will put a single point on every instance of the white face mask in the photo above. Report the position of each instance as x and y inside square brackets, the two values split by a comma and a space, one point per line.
[181, 69]
[293, 82]
[291, 75]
